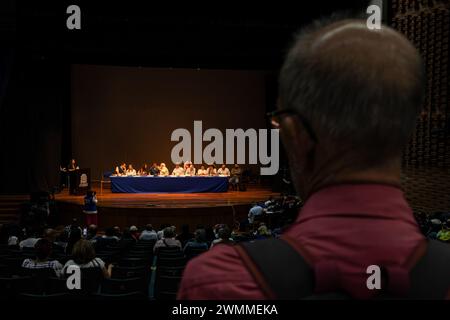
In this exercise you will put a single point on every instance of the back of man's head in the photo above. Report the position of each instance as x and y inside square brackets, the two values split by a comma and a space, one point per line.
[360, 89]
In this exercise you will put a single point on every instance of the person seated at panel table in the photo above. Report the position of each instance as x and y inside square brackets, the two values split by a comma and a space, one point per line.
[178, 171]
[190, 170]
[211, 171]
[143, 171]
[131, 171]
[121, 170]
[186, 165]
[154, 169]
[202, 171]
[163, 171]
[223, 171]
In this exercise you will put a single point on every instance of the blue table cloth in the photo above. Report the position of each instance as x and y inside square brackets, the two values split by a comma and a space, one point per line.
[152, 184]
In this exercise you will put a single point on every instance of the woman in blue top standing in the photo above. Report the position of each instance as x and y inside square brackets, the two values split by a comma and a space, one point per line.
[90, 208]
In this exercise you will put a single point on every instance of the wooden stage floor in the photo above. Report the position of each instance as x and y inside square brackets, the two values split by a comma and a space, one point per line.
[125, 209]
[172, 200]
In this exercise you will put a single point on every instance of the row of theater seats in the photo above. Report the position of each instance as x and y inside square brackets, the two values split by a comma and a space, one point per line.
[137, 274]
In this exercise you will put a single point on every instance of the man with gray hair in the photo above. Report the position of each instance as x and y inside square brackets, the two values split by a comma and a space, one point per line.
[349, 98]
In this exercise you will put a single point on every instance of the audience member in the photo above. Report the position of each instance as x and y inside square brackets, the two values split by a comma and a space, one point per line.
[223, 236]
[185, 235]
[168, 240]
[199, 241]
[83, 256]
[74, 236]
[345, 155]
[148, 234]
[43, 248]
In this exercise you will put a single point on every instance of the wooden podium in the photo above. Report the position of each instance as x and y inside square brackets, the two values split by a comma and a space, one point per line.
[79, 181]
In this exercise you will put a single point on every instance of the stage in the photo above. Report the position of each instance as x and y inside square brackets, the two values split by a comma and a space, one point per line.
[126, 209]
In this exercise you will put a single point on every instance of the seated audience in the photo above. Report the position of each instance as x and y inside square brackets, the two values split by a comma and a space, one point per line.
[13, 234]
[134, 232]
[62, 237]
[199, 241]
[117, 232]
[74, 236]
[185, 235]
[108, 239]
[223, 171]
[30, 241]
[148, 234]
[255, 211]
[263, 232]
[92, 233]
[223, 236]
[43, 248]
[126, 241]
[83, 256]
[168, 241]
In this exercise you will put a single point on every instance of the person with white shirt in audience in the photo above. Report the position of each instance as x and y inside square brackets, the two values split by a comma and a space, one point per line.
[202, 171]
[148, 234]
[163, 171]
[211, 171]
[131, 171]
[190, 170]
[31, 240]
[223, 171]
[178, 171]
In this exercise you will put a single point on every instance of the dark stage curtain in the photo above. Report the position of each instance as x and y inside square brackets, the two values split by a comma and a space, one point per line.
[30, 124]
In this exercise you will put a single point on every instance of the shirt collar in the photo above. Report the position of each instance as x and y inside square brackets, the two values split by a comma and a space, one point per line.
[365, 200]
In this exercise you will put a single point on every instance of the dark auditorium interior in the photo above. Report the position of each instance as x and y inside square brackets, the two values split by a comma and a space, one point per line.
[113, 91]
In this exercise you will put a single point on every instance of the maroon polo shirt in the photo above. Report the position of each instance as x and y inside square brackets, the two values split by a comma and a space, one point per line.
[351, 225]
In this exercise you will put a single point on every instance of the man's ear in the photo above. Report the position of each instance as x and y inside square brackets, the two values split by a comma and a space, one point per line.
[299, 149]
[296, 138]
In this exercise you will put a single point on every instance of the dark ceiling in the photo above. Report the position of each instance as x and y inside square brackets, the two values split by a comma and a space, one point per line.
[219, 36]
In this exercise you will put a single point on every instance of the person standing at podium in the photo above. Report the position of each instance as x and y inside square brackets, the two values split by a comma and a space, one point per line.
[73, 165]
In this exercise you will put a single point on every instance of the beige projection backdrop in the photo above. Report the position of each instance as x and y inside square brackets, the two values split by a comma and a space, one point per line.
[128, 113]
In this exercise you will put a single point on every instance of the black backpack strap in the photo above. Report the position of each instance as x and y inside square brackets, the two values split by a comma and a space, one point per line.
[287, 281]
[430, 277]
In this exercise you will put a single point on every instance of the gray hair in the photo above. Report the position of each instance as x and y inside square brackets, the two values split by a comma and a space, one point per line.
[359, 89]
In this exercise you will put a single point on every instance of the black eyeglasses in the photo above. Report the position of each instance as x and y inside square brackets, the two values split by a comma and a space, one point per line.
[275, 117]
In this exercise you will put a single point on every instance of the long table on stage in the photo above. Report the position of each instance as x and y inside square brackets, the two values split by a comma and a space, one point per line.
[151, 184]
